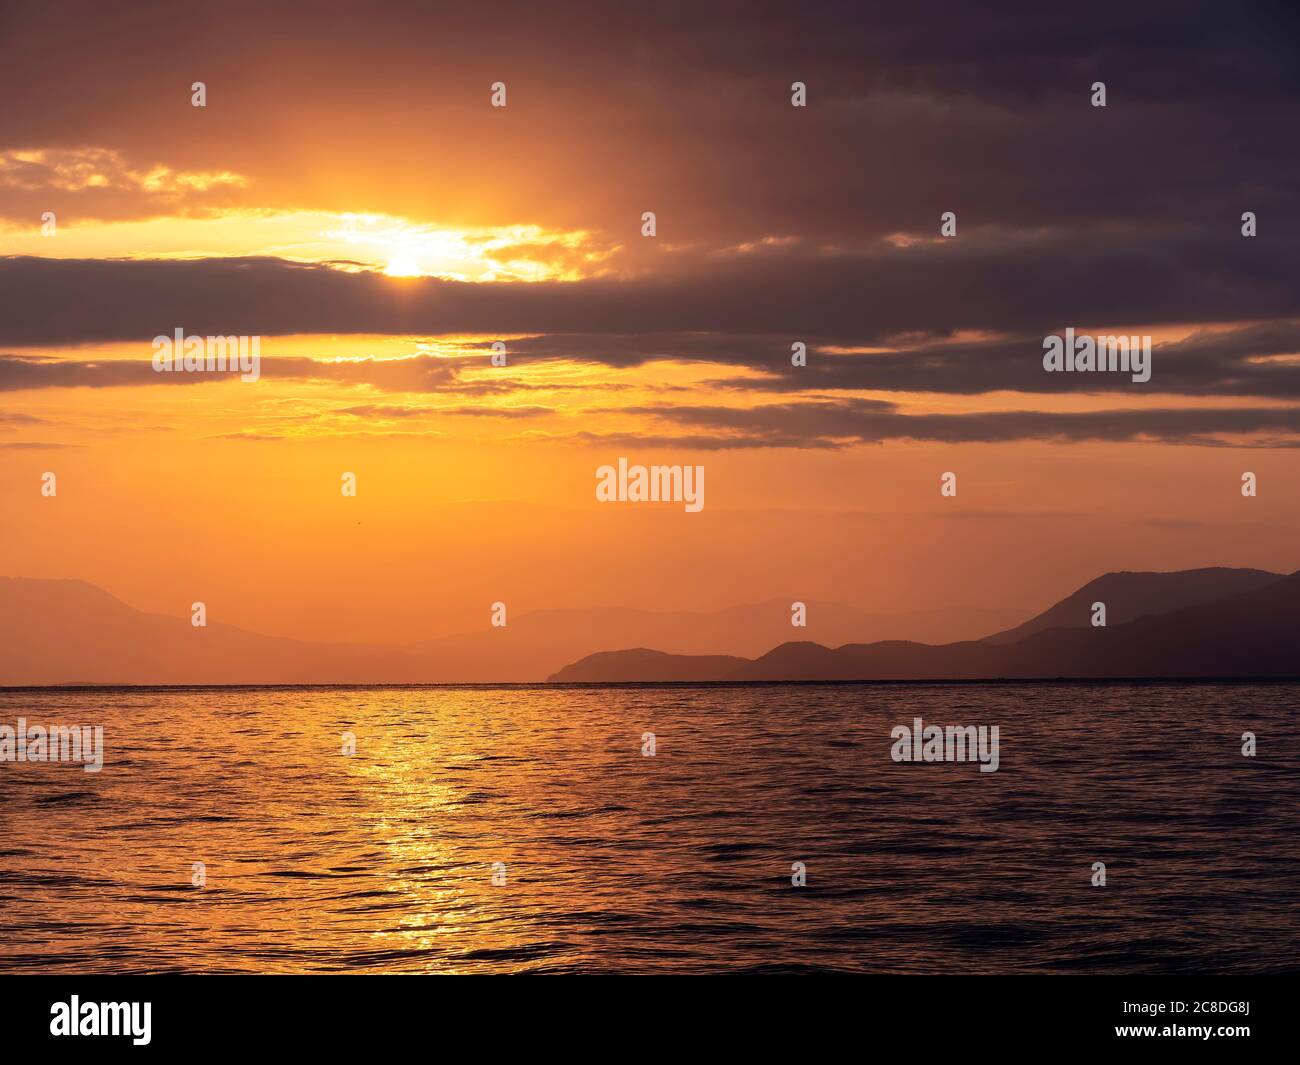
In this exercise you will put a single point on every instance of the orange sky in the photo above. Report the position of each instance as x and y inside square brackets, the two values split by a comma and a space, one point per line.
[156, 506]
[476, 483]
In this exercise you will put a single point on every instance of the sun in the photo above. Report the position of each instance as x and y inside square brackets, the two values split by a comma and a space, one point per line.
[403, 264]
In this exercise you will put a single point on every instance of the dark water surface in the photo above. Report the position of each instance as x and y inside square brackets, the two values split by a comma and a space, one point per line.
[681, 862]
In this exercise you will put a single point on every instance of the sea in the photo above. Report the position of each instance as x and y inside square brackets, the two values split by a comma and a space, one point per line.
[655, 829]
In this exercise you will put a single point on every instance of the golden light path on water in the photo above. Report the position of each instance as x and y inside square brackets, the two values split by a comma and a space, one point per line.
[606, 859]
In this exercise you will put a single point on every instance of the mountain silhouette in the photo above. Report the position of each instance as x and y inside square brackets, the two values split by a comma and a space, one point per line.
[537, 643]
[1159, 624]
[612, 666]
[70, 631]
[1251, 633]
[1130, 595]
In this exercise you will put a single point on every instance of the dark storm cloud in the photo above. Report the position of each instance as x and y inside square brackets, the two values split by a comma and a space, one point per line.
[914, 108]
[851, 422]
[19, 372]
[991, 282]
[1121, 218]
[418, 374]
[701, 442]
[1231, 362]
[740, 312]
[383, 411]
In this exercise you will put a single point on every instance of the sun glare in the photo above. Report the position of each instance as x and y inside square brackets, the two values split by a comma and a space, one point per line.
[403, 264]
[345, 241]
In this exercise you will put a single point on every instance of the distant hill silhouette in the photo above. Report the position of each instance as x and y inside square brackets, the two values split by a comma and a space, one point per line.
[1130, 595]
[535, 644]
[71, 632]
[68, 631]
[612, 666]
[1170, 624]
[1251, 633]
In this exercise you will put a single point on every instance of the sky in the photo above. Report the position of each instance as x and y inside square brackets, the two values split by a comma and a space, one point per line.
[350, 195]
